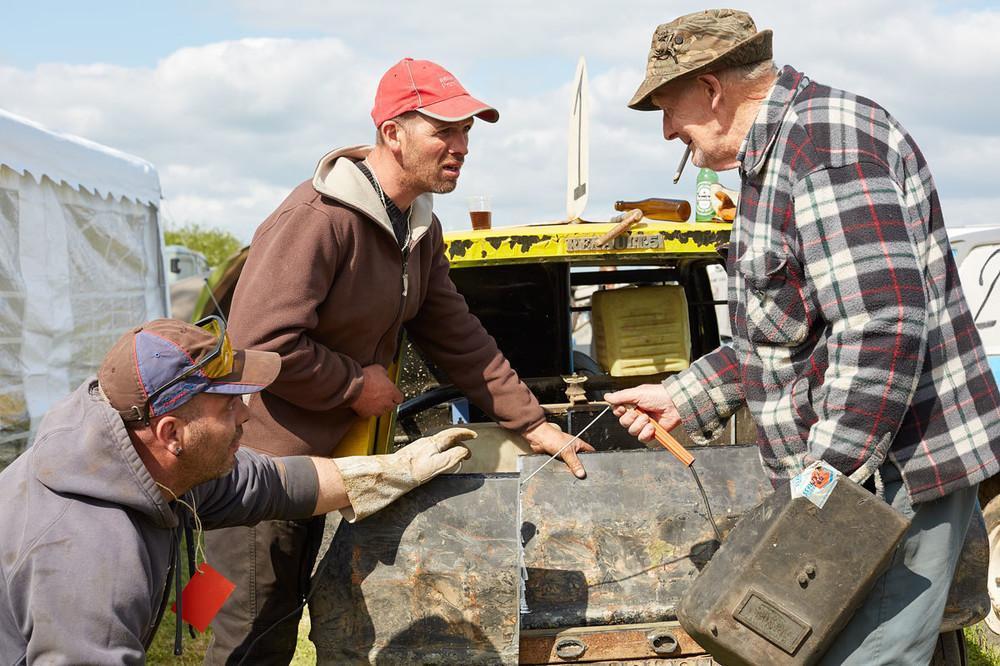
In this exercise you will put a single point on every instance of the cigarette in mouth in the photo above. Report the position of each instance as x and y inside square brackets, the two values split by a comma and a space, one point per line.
[680, 167]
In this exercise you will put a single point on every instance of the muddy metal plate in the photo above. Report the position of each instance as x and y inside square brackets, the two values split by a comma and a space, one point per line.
[432, 579]
[622, 546]
[435, 577]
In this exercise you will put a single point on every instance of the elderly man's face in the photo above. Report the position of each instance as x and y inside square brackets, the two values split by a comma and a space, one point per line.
[433, 152]
[688, 115]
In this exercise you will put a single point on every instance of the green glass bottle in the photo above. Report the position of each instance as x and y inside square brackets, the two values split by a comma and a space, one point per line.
[703, 211]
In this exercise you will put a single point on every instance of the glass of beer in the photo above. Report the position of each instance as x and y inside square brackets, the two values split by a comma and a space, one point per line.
[479, 211]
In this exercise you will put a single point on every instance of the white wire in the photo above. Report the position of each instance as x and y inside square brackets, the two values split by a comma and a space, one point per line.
[575, 437]
[199, 549]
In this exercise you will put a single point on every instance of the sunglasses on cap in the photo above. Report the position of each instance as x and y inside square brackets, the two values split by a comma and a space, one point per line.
[214, 365]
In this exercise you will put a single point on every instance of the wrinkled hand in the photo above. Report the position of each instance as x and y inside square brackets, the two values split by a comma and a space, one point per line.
[544, 438]
[654, 402]
[378, 393]
[429, 456]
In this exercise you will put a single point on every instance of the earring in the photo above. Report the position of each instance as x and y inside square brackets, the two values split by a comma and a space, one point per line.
[177, 450]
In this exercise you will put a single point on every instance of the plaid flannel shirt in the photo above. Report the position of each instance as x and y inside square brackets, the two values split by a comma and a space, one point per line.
[852, 340]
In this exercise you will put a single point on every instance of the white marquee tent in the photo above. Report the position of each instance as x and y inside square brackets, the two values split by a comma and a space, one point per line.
[80, 262]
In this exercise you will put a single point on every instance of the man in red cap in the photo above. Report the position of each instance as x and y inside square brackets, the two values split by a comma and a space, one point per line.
[333, 276]
[97, 507]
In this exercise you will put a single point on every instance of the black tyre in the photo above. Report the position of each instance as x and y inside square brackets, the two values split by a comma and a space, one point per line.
[585, 365]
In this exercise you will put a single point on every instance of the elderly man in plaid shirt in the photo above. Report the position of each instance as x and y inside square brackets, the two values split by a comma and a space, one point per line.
[852, 341]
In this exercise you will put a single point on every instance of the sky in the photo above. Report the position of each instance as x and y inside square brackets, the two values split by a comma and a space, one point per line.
[234, 102]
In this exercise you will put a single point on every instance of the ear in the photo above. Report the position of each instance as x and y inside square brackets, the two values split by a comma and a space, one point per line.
[168, 432]
[711, 87]
[391, 134]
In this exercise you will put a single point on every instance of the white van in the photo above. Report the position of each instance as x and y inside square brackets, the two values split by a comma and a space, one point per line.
[977, 253]
[182, 263]
[186, 272]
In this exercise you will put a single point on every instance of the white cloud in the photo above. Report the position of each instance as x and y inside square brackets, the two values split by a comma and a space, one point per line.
[233, 126]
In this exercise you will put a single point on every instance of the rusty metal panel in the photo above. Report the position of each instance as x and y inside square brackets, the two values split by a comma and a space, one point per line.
[432, 579]
[622, 546]
[660, 641]
[683, 661]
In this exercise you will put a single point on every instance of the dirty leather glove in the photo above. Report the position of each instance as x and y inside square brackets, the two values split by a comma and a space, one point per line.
[372, 482]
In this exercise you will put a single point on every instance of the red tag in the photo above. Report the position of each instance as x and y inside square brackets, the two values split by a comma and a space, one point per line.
[203, 596]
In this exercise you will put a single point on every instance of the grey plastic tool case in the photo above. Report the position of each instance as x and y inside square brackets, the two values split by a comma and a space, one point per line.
[790, 575]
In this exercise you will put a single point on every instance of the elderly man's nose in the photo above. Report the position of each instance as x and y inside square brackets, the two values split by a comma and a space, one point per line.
[668, 129]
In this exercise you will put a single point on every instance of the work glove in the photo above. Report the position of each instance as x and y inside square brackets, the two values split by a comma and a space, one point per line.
[373, 482]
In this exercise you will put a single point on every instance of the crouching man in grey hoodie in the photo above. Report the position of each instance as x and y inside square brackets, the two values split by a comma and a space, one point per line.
[94, 511]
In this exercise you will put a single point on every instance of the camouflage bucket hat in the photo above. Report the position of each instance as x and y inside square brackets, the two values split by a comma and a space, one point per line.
[705, 41]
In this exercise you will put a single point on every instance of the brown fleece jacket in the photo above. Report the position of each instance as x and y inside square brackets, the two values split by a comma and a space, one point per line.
[325, 287]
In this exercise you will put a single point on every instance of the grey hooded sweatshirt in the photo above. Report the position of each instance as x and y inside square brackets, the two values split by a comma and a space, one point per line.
[87, 542]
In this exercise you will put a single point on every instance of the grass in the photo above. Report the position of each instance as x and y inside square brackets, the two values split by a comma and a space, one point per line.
[983, 646]
[161, 651]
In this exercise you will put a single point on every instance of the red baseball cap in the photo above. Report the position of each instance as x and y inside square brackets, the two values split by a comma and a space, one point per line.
[424, 86]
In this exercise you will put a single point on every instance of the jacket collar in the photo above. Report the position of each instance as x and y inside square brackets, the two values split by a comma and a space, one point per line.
[337, 177]
[758, 142]
[83, 449]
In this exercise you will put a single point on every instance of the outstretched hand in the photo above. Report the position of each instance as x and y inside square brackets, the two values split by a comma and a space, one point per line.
[439, 453]
[544, 438]
[653, 403]
[361, 485]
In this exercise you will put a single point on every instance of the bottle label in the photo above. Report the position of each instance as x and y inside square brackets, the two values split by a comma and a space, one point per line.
[703, 202]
